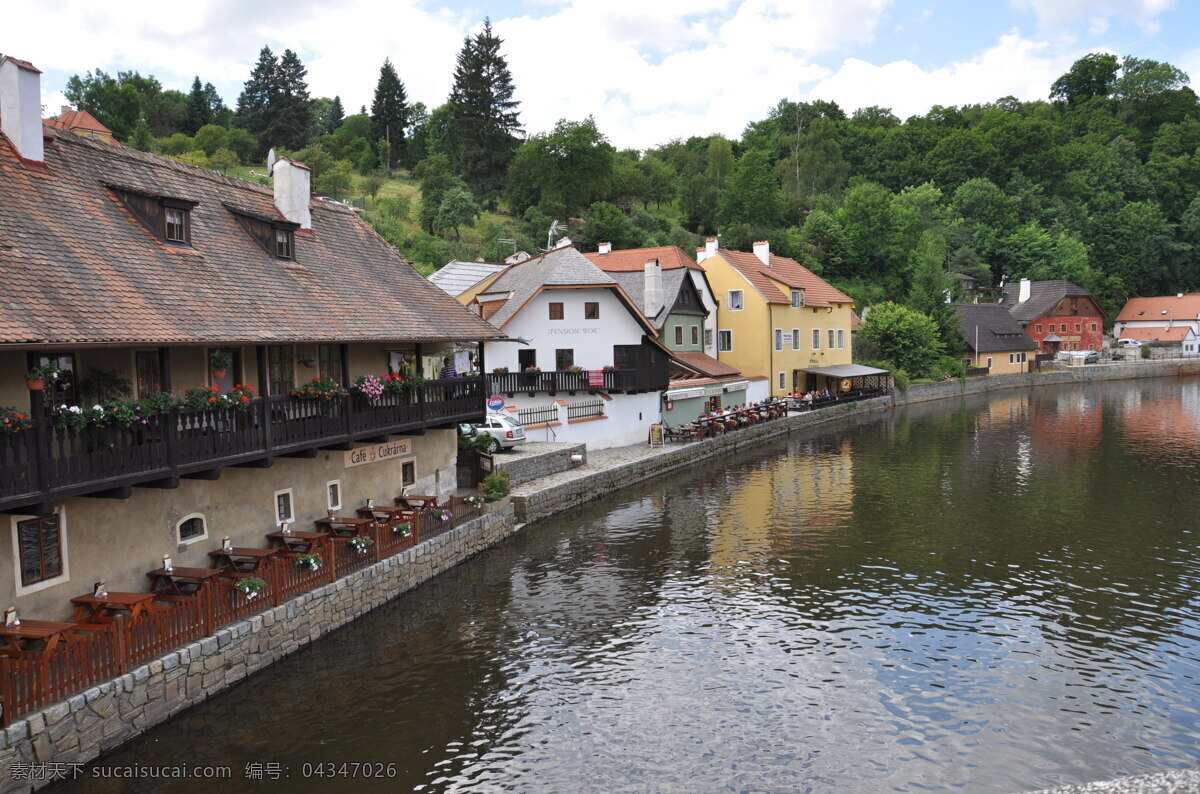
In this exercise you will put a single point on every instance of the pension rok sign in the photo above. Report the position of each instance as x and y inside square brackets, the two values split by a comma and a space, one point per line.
[377, 453]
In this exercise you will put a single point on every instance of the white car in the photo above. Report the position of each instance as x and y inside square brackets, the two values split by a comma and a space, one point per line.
[505, 431]
[1129, 343]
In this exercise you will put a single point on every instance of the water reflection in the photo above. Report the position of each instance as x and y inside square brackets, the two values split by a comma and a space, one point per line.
[996, 595]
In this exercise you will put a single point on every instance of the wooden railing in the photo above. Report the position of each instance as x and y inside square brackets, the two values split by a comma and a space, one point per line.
[618, 380]
[48, 463]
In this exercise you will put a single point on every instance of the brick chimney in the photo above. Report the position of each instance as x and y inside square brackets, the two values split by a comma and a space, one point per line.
[293, 190]
[21, 107]
[762, 249]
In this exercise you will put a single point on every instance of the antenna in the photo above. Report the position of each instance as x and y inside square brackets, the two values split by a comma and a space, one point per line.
[508, 241]
[555, 228]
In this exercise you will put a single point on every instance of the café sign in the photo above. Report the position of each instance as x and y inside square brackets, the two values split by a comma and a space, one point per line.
[377, 453]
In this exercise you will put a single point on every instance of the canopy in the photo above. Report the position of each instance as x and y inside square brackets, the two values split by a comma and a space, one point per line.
[846, 371]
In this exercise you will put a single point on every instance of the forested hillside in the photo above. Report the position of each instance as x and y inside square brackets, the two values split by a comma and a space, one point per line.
[1098, 184]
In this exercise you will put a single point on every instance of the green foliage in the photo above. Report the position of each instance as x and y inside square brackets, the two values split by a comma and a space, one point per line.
[567, 168]
[389, 112]
[274, 104]
[456, 208]
[496, 486]
[606, 223]
[335, 181]
[103, 385]
[1146, 353]
[907, 338]
[223, 159]
[753, 195]
[371, 183]
[209, 138]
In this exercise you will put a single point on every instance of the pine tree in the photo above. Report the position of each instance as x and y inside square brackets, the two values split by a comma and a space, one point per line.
[252, 112]
[336, 115]
[199, 112]
[483, 123]
[290, 112]
[389, 111]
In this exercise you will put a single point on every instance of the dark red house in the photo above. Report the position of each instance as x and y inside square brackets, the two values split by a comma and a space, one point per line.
[1056, 315]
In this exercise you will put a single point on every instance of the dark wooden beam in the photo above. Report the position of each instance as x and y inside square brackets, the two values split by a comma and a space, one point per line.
[35, 509]
[204, 474]
[340, 446]
[120, 492]
[165, 482]
[257, 463]
[374, 440]
[304, 453]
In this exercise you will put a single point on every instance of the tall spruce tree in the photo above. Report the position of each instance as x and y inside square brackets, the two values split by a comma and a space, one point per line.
[290, 112]
[337, 115]
[483, 120]
[389, 111]
[199, 110]
[253, 114]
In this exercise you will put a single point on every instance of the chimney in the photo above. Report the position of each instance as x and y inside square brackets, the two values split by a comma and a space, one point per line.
[64, 110]
[709, 249]
[654, 289]
[1023, 295]
[21, 107]
[292, 191]
[604, 248]
[762, 249]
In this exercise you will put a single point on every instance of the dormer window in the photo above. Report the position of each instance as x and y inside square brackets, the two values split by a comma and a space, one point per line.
[797, 298]
[283, 244]
[166, 217]
[175, 225]
[275, 235]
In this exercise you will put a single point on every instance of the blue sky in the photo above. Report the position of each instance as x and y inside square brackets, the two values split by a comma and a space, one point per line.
[647, 70]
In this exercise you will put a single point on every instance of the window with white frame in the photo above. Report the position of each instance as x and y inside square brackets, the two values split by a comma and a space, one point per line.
[734, 300]
[724, 341]
[797, 299]
[695, 334]
[41, 552]
[708, 337]
[283, 507]
[191, 528]
[841, 339]
[795, 339]
[816, 338]
[783, 380]
[779, 339]
[1012, 358]
[989, 362]
[333, 494]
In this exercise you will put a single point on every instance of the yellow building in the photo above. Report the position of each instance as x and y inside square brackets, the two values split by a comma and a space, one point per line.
[993, 339]
[776, 318]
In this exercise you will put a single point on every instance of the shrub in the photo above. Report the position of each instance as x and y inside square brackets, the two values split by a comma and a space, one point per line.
[495, 486]
[1145, 351]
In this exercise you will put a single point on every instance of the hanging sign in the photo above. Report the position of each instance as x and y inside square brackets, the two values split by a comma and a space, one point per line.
[495, 403]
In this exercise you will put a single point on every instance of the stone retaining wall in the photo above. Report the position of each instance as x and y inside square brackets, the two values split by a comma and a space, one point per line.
[531, 467]
[95, 721]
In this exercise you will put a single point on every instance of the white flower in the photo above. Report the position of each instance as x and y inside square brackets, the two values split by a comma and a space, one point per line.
[97, 407]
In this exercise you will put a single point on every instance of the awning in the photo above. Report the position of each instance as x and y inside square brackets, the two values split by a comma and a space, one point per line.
[846, 371]
[685, 394]
[737, 385]
[1052, 338]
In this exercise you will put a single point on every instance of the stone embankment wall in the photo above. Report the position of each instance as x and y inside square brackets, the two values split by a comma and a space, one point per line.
[97, 720]
[525, 467]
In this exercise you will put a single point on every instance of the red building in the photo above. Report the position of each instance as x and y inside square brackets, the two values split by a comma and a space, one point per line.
[1057, 315]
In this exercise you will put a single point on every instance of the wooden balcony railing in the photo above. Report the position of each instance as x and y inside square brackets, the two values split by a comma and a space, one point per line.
[46, 463]
[614, 380]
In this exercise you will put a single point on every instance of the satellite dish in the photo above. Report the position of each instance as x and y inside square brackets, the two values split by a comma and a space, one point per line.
[271, 160]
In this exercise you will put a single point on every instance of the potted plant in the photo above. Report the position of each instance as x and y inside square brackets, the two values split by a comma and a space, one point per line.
[495, 486]
[440, 514]
[219, 362]
[474, 500]
[499, 370]
[12, 420]
[250, 586]
[320, 389]
[35, 379]
[306, 359]
[361, 543]
[310, 561]
[403, 529]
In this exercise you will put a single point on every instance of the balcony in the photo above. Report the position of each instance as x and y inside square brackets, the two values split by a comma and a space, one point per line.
[45, 464]
[555, 381]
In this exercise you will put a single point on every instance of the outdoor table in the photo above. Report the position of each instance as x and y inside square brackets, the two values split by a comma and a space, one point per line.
[388, 517]
[181, 581]
[240, 558]
[296, 542]
[28, 632]
[106, 606]
[344, 527]
[417, 502]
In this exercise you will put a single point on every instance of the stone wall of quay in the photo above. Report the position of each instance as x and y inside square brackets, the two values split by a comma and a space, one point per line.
[99, 719]
[523, 468]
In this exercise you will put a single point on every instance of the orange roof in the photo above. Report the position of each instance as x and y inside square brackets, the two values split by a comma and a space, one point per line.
[817, 291]
[1143, 309]
[1157, 333]
[631, 259]
[72, 120]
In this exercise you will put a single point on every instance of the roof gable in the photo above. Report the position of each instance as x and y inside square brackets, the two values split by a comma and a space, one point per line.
[790, 273]
[990, 328]
[1043, 297]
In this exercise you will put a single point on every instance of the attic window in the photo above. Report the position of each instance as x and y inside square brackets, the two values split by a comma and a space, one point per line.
[283, 243]
[167, 218]
[274, 235]
[797, 298]
[175, 223]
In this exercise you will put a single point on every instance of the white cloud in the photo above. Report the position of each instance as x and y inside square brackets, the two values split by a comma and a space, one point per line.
[1057, 13]
[1099, 26]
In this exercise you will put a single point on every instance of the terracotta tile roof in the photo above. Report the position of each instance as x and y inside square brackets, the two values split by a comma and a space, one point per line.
[79, 268]
[1157, 333]
[23, 64]
[77, 120]
[1142, 309]
[705, 365]
[629, 259]
[855, 322]
[817, 291]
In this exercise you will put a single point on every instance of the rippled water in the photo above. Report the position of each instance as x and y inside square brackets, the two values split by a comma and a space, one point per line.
[996, 595]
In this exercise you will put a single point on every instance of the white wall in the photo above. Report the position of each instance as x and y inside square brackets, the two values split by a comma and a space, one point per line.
[592, 340]
[628, 422]
[758, 390]
[710, 303]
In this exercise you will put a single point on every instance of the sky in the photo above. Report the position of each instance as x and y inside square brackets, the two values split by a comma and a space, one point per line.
[646, 70]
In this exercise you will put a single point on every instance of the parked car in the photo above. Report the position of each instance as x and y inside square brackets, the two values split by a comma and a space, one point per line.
[1091, 357]
[1128, 343]
[505, 431]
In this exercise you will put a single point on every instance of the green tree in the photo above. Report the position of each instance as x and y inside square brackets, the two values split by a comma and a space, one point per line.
[336, 115]
[1091, 76]
[210, 137]
[569, 167]
[290, 105]
[931, 287]
[199, 110]
[142, 138]
[389, 111]
[753, 195]
[607, 224]
[120, 102]
[253, 105]
[222, 160]
[827, 244]
[372, 183]
[905, 338]
[483, 115]
[336, 180]
[457, 208]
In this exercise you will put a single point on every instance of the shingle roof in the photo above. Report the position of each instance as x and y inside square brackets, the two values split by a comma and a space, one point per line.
[1186, 307]
[562, 267]
[634, 284]
[705, 364]
[79, 268]
[1042, 297]
[669, 257]
[990, 328]
[817, 291]
[458, 276]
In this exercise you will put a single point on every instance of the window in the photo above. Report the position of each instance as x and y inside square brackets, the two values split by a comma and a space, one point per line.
[831, 339]
[526, 358]
[39, 542]
[782, 380]
[1077, 327]
[724, 341]
[1064, 328]
[1039, 328]
[283, 243]
[280, 369]
[816, 339]
[797, 299]
[679, 334]
[591, 311]
[556, 311]
[1023, 359]
[408, 473]
[333, 494]
[795, 339]
[734, 298]
[283, 507]
[708, 337]
[1093, 328]
[192, 528]
[778, 339]
[841, 339]
[175, 225]
[989, 362]
[329, 362]
[564, 358]
[62, 388]
[695, 334]
[1012, 358]
[147, 365]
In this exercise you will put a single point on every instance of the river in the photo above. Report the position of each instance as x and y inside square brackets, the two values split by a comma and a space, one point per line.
[990, 595]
